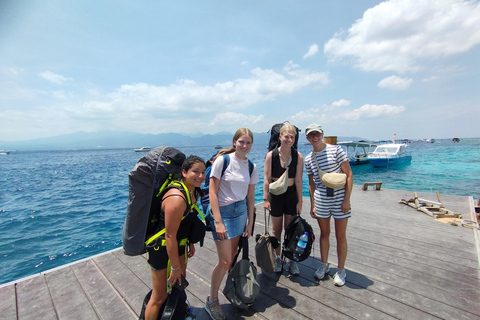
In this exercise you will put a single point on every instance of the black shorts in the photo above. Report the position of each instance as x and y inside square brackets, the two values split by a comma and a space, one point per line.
[285, 203]
[158, 259]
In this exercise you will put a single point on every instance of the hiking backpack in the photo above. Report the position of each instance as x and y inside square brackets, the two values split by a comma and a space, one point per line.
[293, 232]
[152, 173]
[275, 136]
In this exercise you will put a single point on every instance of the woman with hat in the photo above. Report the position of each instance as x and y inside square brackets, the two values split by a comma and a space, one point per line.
[326, 202]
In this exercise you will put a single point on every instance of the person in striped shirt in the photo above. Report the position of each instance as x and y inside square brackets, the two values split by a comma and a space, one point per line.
[326, 202]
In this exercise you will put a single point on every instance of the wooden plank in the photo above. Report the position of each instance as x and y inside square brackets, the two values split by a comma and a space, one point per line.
[107, 303]
[8, 303]
[68, 296]
[34, 300]
[128, 285]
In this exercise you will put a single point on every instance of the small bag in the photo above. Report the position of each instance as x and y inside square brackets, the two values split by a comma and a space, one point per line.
[197, 231]
[331, 179]
[265, 250]
[241, 286]
[280, 185]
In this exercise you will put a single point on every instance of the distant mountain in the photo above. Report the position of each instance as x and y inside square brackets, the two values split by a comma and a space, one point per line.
[115, 139]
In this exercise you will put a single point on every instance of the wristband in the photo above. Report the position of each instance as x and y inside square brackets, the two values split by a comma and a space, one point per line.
[265, 199]
[175, 269]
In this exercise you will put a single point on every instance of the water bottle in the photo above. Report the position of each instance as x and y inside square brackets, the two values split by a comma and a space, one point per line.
[301, 244]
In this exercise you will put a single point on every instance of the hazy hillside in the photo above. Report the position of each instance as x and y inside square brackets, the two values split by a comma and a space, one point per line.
[112, 139]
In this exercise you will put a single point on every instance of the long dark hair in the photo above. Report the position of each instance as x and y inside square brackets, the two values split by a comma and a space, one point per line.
[188, 164]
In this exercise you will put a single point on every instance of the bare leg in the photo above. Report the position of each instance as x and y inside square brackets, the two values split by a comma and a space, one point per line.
[324, 225]
[341, 236]
[226, 250]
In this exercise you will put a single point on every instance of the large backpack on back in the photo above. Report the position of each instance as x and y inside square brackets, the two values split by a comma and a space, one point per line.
[293, 232]
[275, 136]
[152, 173]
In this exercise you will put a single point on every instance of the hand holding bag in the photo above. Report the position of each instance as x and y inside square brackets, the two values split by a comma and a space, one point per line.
[265, 250]
[280, 185]
[331, 179]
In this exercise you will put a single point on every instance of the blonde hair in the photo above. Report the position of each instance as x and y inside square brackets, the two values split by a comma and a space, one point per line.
[288, 127]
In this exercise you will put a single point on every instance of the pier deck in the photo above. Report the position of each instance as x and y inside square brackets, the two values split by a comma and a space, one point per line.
[401, 264]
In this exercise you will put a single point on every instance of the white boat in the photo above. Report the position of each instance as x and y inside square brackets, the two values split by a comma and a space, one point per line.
[390, 155]
[357, 151]
[4, 152]
[142, 149]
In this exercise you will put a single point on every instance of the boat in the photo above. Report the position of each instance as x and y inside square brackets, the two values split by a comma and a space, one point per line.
[142, 149]
[218, 146]
[4, 152]
[456, 140]
[357, 151]
[390, 155]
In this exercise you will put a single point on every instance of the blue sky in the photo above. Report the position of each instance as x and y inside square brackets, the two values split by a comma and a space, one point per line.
[359, 68]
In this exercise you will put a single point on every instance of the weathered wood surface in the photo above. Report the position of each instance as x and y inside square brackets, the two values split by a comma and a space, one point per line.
[401, 264]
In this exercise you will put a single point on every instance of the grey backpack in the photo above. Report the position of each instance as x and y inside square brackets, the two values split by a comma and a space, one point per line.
[152, 173]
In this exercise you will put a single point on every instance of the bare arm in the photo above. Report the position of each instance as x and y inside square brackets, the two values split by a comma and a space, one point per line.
[311, 191]
[267, 176]
[299, 182]
[348, 186]
[174, 207]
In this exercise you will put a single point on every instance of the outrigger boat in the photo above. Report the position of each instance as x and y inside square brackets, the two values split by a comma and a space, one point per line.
[357, 151]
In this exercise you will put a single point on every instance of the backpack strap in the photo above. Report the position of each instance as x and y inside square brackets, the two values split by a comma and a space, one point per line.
[226, 162]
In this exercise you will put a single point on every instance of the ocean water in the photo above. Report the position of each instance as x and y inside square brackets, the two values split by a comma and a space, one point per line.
[57, 207]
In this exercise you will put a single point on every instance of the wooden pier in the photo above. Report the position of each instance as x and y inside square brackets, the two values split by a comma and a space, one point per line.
[401, 264]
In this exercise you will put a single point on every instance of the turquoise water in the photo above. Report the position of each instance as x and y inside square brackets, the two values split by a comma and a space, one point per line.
[57, 207]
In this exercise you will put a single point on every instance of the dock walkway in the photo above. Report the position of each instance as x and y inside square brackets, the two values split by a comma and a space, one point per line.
[401, 264]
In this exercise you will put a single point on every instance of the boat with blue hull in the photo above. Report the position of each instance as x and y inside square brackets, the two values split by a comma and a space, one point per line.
[390, 155]
[357, 151]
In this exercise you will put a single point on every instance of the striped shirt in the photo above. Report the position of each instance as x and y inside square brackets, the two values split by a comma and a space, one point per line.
[329, 159]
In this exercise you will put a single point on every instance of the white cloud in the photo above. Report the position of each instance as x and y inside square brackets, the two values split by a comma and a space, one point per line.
[432, 78]
[313, 50]
[396, 35]
[373, 111]
[53, 77]
[340, 103]
[395, 83]
[185, 106]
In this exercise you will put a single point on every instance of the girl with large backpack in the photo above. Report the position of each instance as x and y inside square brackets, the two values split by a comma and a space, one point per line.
[168, 262]
[232, 203]
[286, 206]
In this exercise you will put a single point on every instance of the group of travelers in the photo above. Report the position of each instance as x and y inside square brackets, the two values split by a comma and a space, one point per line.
[232, 201]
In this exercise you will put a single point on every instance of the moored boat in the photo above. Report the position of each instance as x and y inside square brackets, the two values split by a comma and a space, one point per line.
[390, 155]
[142, 149]
[357, 151]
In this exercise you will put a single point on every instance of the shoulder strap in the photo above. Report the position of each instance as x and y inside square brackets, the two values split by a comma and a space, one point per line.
[226, 162]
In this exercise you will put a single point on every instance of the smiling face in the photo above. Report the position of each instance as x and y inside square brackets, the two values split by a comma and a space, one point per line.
[243, 145]
[287, 138]
[195, 175]
[315, 138]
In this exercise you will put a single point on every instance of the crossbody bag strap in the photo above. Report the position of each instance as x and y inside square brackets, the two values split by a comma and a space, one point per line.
[320, 172]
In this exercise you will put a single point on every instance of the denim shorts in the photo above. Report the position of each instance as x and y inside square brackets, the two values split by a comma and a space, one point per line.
[234, 218]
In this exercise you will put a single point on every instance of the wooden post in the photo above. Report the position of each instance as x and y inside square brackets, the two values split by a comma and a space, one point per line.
[330, 139]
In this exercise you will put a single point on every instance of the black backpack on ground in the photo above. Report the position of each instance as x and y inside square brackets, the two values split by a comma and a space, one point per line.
[275, 134]
[293, 232]
[175, 308]
[152, 173]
